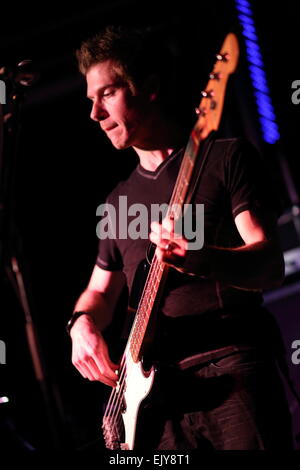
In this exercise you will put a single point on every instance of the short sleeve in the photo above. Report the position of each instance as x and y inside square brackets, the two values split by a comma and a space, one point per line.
[109, 256]
[248, 180]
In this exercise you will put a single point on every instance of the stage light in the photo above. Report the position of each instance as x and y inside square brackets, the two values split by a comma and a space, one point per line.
[265, 109]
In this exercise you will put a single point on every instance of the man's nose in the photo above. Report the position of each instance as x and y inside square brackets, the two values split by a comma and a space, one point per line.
[98, 113]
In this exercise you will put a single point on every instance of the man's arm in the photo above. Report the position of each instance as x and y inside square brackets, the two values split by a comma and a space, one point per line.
[90, 353]
[259, 263]
[256, 265]
[101, 295]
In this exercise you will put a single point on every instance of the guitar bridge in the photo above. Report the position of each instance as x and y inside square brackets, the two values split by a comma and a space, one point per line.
[112, 432]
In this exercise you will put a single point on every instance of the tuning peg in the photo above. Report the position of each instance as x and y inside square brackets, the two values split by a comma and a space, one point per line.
[207, 94]
[222, 57]
[215, 76]
[201, 111]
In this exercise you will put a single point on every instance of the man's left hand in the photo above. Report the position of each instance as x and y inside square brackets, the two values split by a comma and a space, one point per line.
[171, 247]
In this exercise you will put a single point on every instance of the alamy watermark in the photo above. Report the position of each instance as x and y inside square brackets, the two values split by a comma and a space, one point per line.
[2, 92]
[2, 352]
[296, 354]
[296, 94]
[133, 221]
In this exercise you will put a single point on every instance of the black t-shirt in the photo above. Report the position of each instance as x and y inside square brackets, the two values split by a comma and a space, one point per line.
[233, 181]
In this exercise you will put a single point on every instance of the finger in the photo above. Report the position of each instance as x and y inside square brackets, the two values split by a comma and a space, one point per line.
[172, 254]
[159, 230]
[107, 369]
[102, 376]
[165, 244]
[81, 371]
[108, 382]
[155, 227]
[155, 238]
[90, 370]
[103, 361]
[86, 367]
[85, 371]
[168, 224]
[162, 243]
[79, 365]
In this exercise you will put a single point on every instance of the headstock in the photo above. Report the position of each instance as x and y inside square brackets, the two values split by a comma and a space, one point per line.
[212, 102]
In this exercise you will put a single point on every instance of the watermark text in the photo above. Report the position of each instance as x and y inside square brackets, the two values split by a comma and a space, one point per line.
[296, 94]
[2, 92]
[2, 352]
[133, 221]
[296, 354]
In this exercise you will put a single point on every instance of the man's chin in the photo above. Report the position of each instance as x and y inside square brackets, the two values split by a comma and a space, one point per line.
[119, 145]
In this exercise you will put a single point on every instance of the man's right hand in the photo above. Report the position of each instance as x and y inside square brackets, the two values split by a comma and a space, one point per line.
[90, 352]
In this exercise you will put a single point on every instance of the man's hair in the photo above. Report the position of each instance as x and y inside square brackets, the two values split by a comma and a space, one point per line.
[137, 54]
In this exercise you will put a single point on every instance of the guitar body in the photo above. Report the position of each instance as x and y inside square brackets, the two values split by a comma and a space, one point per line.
[121, 418]
[138, 387]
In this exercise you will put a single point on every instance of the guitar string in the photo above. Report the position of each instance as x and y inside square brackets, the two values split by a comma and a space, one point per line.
[193, 144]
[117, 395]
[113, 409]
[122, 371]
[112, 412]
[124, 361]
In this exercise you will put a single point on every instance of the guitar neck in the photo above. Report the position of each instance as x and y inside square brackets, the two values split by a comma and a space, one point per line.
[209, 115]
[158, 270]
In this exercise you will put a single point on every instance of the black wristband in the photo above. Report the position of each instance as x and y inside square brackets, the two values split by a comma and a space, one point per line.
[73, 320]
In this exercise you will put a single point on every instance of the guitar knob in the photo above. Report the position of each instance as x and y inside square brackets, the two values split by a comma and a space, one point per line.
[222, 57]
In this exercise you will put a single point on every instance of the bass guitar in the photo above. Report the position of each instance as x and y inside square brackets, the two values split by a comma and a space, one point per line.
[134, 384]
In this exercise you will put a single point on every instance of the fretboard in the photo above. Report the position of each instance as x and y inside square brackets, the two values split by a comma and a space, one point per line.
[158, 271]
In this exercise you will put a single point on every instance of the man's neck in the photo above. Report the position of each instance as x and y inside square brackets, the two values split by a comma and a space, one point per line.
[168, 137]
[151, 159]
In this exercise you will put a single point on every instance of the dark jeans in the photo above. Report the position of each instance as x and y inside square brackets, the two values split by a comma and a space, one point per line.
[236, 402]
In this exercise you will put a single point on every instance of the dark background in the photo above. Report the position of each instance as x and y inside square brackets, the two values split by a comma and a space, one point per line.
[65, 167]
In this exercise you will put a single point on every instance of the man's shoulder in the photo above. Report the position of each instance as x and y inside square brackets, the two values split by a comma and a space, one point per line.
[229, 149]
[229, 144]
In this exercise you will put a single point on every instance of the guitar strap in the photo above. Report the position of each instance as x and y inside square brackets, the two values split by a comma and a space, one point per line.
[204, 151]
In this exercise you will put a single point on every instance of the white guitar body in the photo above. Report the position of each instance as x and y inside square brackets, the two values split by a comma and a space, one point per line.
[138, 386]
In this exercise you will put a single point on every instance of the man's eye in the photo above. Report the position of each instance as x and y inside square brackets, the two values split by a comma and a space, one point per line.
[108, 93]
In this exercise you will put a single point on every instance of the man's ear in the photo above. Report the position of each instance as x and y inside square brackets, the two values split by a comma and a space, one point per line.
[152, 87]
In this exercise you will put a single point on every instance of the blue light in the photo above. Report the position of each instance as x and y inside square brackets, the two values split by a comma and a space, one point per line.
[244, 3]
[252, 45]
[245, 19]
[259, 82]
[255, 59]
[265, 109]
[256, 55]
[244, 10]
[270, 130]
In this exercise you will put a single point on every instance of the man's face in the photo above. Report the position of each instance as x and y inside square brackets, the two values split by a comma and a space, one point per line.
[120, 112]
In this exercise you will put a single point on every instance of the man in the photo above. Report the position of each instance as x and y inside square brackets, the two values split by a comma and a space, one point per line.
[213, 339]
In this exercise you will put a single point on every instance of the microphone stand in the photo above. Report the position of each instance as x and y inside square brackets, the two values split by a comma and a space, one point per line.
[11, 249]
